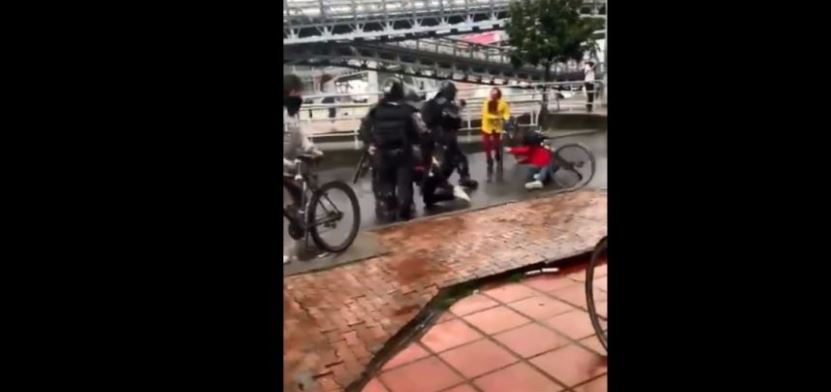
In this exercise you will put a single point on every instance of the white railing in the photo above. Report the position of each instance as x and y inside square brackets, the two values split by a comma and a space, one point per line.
[562, 96]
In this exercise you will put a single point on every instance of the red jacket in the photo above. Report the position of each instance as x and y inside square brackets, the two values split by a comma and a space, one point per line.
[537, 156]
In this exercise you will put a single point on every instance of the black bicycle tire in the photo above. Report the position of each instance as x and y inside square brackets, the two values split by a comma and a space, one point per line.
[592, 159]
[598, 329]
[356, 209]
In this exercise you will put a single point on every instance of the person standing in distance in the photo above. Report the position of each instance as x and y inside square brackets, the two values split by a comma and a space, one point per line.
[588, 71]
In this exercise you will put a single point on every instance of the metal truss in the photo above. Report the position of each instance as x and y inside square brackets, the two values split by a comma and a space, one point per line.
[318, 21]
[428, 58]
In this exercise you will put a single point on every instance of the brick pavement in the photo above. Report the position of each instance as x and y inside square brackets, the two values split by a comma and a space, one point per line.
[335, 321]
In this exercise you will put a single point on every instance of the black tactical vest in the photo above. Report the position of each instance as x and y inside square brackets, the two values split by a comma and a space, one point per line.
[391, 125]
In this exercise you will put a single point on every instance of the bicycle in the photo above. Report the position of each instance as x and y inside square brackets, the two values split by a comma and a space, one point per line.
[304, 221]
[598, 259]
[576, 164]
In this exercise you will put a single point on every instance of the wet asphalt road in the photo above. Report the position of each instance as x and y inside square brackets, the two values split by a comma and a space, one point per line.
[341, 165]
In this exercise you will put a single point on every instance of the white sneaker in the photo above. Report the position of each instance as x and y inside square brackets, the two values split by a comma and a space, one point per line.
[459, 193]
[533, 185]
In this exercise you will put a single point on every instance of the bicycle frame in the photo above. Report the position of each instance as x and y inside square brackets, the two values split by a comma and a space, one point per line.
[308, 182]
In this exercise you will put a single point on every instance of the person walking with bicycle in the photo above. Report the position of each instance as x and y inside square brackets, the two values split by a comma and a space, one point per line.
[295, 140]
[495, 112]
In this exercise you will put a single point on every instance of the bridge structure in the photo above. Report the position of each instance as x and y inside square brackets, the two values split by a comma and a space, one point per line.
[439, 58]
[410, 37]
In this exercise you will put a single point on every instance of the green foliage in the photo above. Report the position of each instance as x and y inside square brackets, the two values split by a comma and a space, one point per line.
[549, 31]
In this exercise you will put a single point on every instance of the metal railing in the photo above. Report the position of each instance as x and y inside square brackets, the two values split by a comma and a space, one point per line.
[430, 58]
[343, 118]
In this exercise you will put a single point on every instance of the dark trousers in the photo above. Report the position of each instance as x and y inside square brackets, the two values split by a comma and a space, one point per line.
[294, 190]
[395, 180]
[435, 189]
[590, 96]
[454, 158]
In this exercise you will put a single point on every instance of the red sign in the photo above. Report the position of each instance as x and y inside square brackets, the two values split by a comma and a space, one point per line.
[488, 38]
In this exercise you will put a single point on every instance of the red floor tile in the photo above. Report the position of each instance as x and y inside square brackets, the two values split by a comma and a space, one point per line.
[517, 378]
[425, 375]
[531, 339]
[549, 282]
[574, 324]
[602, 308]
[374, 386]
[578, 276]
[449, 334]
[597, 385]
[540, 307]
[446, 316]
[601, 271]
[478, 358]
[473, 303]
[576, 295]
[409, 354]
[594, 344]
[496, 320]
[461, 388]
[510, 292]
[571, 365]
[602, 283]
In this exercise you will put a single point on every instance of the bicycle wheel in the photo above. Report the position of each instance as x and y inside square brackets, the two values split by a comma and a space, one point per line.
[596, 286]
[577, 165]
[331, 227]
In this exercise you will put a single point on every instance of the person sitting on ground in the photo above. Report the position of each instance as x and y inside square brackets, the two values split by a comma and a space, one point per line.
[536, 154]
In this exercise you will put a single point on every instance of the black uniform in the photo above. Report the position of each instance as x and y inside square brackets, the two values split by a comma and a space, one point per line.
[443, 116]
[434, 185]
[393, 133]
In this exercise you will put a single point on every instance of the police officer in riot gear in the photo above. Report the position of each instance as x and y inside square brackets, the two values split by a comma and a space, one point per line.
[443, 116]
[427, 172]
[394, 128]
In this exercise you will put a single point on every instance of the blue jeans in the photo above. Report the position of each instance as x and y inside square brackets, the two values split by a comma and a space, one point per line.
[542, 174]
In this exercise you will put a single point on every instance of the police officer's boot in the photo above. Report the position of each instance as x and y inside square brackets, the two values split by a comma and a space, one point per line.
[407, 212]
[468, 182]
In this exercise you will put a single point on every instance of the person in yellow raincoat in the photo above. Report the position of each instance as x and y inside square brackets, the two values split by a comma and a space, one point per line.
[495, 112]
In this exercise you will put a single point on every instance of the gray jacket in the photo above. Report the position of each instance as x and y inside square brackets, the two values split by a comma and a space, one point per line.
[295, 141]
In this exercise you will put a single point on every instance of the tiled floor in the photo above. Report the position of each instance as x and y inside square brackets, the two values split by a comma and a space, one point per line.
[528, 336]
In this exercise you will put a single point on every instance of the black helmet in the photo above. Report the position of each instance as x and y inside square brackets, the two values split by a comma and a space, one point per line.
[533, 138]
[447, 89]
[394, 89]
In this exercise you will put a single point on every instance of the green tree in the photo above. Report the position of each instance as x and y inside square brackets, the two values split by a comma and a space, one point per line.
[548, 32]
